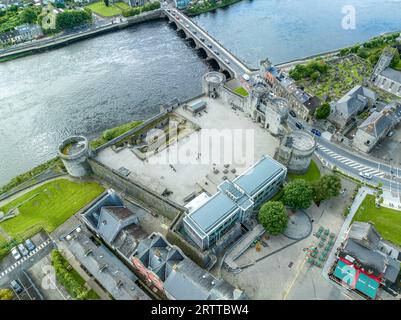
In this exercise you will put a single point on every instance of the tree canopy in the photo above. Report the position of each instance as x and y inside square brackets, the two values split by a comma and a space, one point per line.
[327, 187]
[298, 194]
[323, 111]
[72, 18]
[273, 217]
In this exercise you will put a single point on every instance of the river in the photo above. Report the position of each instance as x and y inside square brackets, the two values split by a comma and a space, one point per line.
[91, 85]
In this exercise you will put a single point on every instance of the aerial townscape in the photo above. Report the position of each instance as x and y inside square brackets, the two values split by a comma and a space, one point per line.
[144, 158]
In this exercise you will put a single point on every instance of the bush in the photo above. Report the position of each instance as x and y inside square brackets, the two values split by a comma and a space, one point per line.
[65, 276]
[273, 217]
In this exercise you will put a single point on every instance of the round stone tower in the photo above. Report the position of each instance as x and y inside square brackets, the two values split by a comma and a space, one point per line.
[211, 82]
[74, 152]
[296, 151]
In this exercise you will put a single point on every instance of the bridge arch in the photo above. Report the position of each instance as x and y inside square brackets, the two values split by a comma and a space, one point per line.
[227, 74]
[173, 25]
[191, 42]
[214, 64]
[202, 53]
[182, 33]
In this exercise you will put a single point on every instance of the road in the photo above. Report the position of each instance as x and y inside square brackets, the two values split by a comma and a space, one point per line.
[16, 270]
[223, 55]
[352, 162]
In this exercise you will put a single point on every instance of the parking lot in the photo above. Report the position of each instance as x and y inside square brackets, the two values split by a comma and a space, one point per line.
[12, 269]
[29, 288]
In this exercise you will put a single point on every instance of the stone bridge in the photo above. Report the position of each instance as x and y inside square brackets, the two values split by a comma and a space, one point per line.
[208, 47]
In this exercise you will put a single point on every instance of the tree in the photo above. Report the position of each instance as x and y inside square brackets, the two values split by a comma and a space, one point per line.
[323, 111]
[298, 194]
[273, 217]
[315, 75]
[107, 3]
[6, 294]
[396, 59]
[28, 16]
[327, 187]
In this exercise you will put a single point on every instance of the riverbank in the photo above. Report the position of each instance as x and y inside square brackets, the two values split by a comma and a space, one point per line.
[209, 8]
[42, 46]
[285, 66]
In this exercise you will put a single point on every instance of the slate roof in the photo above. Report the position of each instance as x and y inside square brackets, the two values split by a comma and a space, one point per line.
[365, 256]
[105, 267]
[364, 244]
[365, 234]
[379, 122]
[182, 278]
[354, 100]
[392, 74]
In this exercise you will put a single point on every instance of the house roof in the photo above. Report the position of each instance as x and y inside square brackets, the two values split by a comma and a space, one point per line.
[312, 104]
[182, 278]
[365, 234]
[378, 122]
[367, 257]
[354, 100]
[392, 74]
[105, 267]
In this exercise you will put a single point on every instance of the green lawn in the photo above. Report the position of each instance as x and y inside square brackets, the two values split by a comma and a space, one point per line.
[311, 175]
[122, 5]
[241, 91]
[112, 133]
[110, 11]
[55, 203]
[387, 221]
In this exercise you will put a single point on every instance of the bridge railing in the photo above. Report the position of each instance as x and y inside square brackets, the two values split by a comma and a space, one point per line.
[240, 62]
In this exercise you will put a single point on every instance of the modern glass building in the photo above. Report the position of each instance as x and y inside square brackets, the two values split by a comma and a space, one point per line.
[234, 202]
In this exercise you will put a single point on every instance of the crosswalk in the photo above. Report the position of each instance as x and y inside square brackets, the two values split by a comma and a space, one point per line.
[23, 259]
[355, 165]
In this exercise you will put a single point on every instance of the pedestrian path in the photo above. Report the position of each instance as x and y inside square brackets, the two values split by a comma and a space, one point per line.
[23, 259]
[351, 163]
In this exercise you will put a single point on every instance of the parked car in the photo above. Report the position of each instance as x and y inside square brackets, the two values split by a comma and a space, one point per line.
[15, 253]
[227, 61]
[16, 286]
[30, 245]
[365, 175]
[209, 46]
[202, 39]
[316, 132]
[390, 134]
[293, 114]
[216, 52]
[23, 250]
[299, 125]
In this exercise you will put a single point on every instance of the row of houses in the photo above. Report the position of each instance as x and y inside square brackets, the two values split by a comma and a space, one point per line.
[300, 101]
[163, 268]
[22, 33]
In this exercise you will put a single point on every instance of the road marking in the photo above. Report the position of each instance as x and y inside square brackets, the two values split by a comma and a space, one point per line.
[19, 262]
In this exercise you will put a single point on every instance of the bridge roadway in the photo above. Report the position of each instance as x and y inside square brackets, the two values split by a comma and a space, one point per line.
[214, 49]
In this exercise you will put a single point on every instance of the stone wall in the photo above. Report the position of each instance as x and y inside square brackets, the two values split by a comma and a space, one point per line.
[159, 204]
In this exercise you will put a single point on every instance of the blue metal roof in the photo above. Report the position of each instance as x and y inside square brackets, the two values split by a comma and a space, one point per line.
[258, 175]
[233, 195]
[213, 211]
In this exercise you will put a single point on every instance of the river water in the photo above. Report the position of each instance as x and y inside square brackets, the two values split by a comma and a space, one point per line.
[91, 85]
